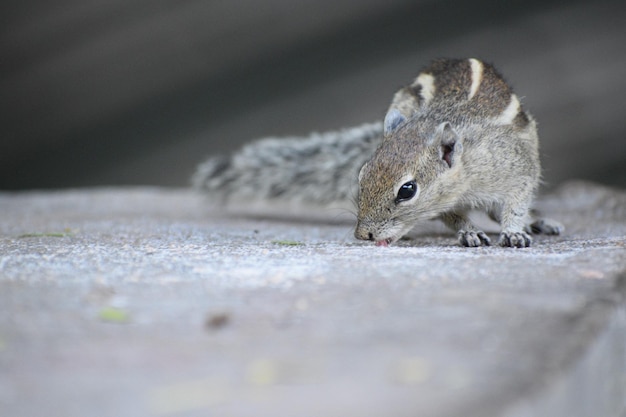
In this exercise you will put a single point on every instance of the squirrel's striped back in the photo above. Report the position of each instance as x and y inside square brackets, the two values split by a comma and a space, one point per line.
[469, 88]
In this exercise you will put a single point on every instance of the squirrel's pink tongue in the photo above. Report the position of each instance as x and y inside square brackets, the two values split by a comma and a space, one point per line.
[383, 242]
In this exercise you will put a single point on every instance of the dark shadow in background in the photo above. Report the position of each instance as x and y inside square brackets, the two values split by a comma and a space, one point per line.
[158, 134]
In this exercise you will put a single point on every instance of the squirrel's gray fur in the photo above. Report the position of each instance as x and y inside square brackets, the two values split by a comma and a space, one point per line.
[312, 177]
[454, 140]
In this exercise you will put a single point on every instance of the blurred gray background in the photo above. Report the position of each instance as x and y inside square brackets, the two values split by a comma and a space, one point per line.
[114, 92]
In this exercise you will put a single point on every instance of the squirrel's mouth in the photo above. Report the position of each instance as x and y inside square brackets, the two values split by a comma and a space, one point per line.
[384, 242]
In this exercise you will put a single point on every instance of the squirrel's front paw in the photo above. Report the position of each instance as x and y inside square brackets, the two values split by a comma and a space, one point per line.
[515, 239]
[473, 239]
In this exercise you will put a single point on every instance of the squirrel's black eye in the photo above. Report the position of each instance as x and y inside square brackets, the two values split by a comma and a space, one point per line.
[407, 191]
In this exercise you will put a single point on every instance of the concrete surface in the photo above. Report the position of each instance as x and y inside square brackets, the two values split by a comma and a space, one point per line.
[142, 302]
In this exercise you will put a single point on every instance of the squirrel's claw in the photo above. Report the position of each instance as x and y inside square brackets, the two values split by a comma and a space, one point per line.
[473, 238]
[515, 239]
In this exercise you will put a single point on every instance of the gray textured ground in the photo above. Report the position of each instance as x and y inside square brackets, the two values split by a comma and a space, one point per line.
[139, 302]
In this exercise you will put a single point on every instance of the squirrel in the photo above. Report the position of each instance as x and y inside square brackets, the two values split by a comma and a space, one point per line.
[454, 140]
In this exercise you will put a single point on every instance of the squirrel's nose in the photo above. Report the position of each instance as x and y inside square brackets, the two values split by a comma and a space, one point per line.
[362, 233]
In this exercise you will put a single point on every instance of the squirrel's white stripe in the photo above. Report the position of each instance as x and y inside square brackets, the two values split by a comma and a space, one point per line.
[477, 76]
[511, 111]
[427, 82]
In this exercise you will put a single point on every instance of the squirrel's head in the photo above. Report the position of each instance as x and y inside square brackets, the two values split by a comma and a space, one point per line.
[406, 179]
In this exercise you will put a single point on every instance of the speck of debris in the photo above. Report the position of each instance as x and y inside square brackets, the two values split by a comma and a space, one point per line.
[217, 321]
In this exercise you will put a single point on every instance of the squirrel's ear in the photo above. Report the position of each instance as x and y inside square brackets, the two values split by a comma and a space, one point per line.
[393, 119]
[449, 142]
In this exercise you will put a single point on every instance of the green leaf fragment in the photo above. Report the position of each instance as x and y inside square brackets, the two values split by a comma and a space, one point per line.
[114, 315]
[287, 243]
[66, 232]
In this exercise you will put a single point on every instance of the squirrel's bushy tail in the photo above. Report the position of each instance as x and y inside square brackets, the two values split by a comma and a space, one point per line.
[320, 169]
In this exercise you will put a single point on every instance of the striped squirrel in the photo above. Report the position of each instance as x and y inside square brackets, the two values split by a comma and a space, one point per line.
[454, 140]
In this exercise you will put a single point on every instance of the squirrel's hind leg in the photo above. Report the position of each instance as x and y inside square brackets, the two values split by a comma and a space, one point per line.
[545, 226]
